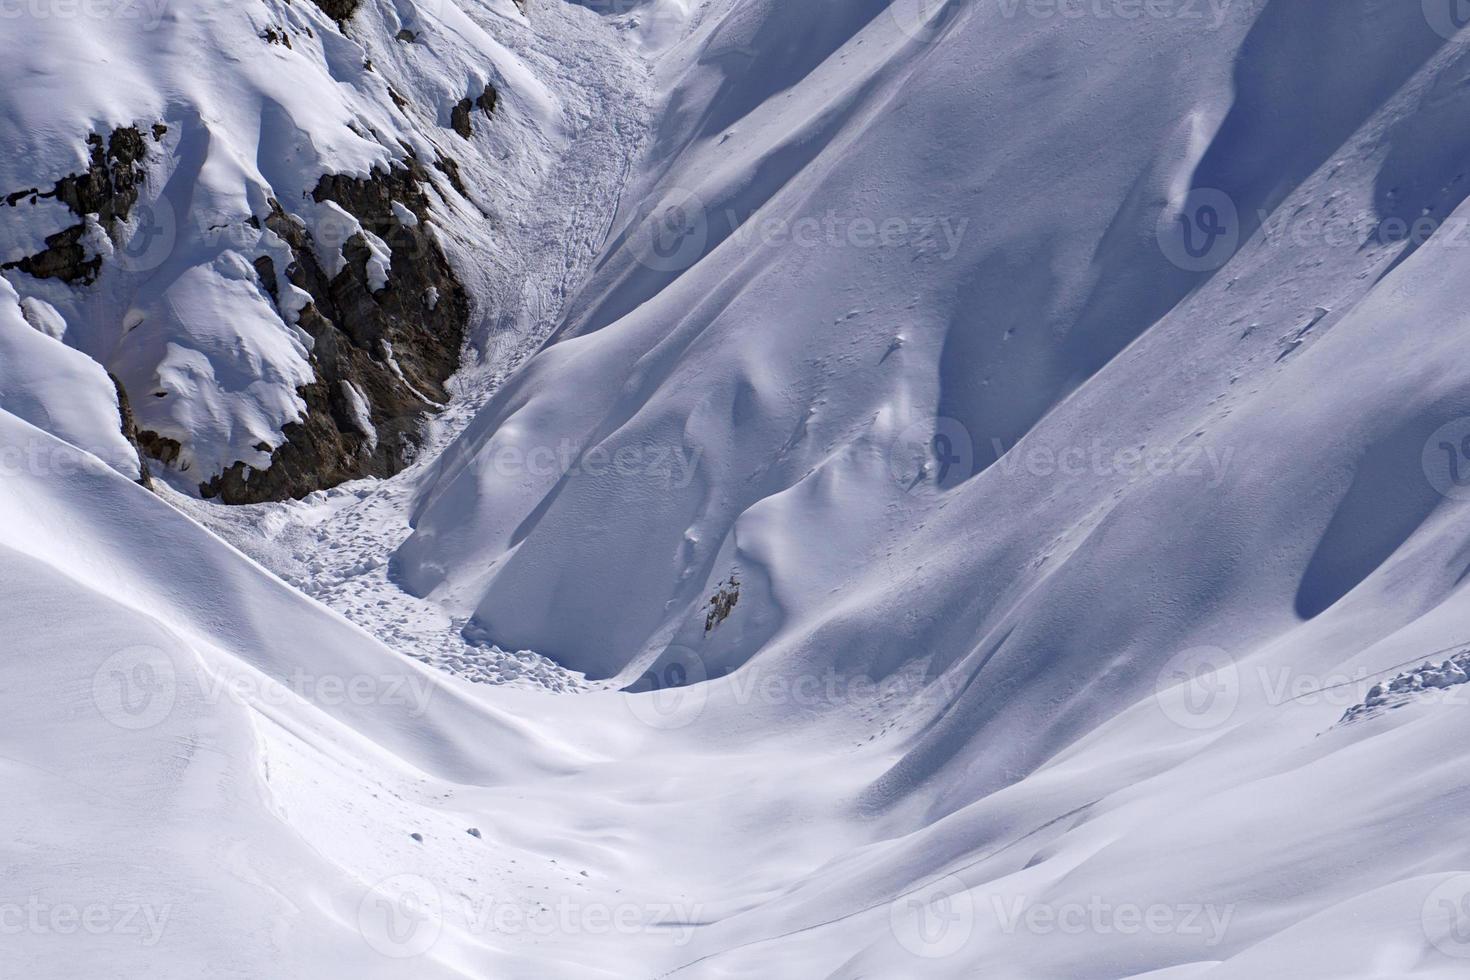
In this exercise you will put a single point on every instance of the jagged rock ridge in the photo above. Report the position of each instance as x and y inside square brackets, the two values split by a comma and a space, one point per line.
[381, 356]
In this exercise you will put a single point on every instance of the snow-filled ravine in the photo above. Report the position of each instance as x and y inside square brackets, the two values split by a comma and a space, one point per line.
[942, 489]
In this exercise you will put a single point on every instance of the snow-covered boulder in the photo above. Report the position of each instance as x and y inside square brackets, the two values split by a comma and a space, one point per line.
[60, 390]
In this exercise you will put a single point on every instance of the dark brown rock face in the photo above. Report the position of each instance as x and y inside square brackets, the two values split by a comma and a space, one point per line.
[460, 118]
[339, 10]
[380, 358]
[487, 100]
[395, 347]
[130, 431]
[108, 188]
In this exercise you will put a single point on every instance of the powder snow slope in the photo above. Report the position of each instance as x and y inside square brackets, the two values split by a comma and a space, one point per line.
[1062, 358]
[998, 445]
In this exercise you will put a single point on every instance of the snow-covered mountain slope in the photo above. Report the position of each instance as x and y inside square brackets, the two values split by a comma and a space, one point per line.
[212, 774]
[987, 507]
[918, 330]
[276, 228]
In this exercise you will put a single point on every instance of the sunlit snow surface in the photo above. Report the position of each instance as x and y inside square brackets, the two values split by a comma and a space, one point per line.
[1068, 396]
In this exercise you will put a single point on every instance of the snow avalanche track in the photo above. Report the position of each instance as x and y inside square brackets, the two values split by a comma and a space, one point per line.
[994, 595]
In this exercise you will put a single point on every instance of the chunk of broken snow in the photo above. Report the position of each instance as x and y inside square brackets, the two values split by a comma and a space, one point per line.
[44, 317]
[380, 262]
[362, 413]
[405, 217]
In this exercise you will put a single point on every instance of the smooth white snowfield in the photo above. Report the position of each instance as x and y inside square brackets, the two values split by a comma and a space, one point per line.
[1062, 552]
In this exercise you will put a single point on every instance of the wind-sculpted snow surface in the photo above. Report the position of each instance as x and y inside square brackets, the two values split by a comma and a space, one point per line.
[211, 774]
[1063, 356]
[996, 447]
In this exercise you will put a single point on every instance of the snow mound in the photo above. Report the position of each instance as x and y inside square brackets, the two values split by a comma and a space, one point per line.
[58, 389]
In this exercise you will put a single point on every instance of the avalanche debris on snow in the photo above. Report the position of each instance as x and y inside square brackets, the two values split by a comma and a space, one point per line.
[1411, 686]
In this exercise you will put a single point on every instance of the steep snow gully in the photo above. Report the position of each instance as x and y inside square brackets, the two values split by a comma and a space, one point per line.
[735, 489]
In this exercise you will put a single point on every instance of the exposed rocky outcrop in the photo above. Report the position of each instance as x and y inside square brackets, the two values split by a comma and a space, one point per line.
[158, 447]
[722, 603]
[108, 188]
[339, 10]
[381, 357]
[461, 116]
[130, 431]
